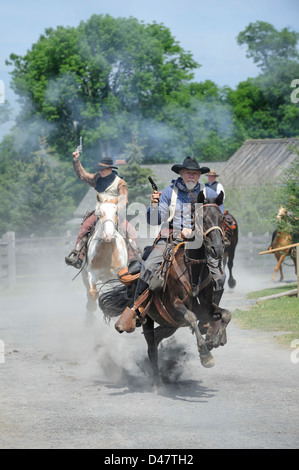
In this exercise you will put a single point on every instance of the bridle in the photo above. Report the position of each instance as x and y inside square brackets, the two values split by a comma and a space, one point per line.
[103, 222]
[205, 233]
[214, 227]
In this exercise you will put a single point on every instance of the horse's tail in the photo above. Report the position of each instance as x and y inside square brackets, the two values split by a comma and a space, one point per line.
[272, 239]
[113, 302]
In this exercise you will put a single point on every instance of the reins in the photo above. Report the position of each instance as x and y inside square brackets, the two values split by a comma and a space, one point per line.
[192, 261]
[215, 227]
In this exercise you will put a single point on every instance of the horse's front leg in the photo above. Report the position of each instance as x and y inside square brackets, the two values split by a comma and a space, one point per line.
[230, 263]
[279, 266]
[92, 295]
[152, 347]
[206, 357]
[93, 276]
[216, 334]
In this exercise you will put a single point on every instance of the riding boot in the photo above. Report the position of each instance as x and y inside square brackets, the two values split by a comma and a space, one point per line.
[140, 288]
[127, 320]
[77, 256]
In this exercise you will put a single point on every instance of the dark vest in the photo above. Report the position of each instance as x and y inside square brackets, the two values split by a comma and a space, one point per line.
[213, 185]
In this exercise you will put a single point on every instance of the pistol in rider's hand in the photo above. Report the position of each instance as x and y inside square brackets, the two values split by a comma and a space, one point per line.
[155, 196]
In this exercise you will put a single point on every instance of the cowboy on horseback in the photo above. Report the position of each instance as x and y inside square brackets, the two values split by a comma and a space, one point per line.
[213, 183]
[172, 208]
[107, 183]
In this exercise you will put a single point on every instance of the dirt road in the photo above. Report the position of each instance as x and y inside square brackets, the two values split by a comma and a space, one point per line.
[67, 386]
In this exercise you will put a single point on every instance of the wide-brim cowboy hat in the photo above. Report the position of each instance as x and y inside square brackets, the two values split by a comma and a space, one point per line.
[212, 173]
[189, 164]
[106, 162]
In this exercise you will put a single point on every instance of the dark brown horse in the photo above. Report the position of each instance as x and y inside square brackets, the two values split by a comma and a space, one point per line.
[230, 227]
[187, 299]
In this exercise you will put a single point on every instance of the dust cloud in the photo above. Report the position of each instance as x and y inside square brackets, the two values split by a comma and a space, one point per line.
[48, 312]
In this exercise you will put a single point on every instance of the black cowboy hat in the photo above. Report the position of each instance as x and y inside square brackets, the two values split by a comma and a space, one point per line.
[106, 162]
[189, 164]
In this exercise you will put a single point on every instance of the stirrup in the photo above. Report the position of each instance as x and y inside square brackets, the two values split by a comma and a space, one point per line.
[73, 259]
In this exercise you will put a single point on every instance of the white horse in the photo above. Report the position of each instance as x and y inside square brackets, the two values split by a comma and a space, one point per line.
[106, 253]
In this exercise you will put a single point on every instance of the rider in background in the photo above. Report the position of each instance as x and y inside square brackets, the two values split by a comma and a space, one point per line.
[106, 182]
[213, 184]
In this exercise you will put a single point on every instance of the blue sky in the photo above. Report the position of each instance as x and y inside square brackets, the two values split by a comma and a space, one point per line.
[206, 28]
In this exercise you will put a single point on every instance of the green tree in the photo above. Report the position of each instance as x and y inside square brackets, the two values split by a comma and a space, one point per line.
[291, 196]
[5, 112]
[98, 79]
[199, 121]
[262, 106]
[10, 167]
[267, 46]
[40, 203]
[253, 207]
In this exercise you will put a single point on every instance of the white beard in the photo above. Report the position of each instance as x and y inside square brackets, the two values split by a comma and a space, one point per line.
[190, 185]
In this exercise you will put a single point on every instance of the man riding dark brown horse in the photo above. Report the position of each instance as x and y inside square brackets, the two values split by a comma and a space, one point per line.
[173, 208]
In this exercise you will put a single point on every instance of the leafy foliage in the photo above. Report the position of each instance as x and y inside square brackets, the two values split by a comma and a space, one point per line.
[254, 207]
[267, 46]
[98, 79]
[36, 198]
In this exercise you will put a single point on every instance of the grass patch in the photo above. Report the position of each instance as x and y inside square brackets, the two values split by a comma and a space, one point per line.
[272, 290]
[280, 314]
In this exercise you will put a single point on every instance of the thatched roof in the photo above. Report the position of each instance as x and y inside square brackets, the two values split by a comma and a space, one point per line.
[257, 162]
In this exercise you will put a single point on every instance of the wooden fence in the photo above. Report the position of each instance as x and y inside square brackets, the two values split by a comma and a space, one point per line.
[282, 248]
[19, 257]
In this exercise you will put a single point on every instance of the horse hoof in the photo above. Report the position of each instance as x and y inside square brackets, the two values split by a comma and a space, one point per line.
[89, 320]
[91, 307]
[207, 360]
[223, 340]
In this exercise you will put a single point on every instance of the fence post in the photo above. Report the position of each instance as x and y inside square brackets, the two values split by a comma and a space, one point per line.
[297, 268]
[11, 257]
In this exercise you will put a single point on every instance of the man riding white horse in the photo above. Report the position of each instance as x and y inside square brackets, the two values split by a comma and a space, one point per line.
[171, 209]
[108, 185]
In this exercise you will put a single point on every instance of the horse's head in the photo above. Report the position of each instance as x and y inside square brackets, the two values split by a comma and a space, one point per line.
[212, 220]
[281, 213]
[106, 211]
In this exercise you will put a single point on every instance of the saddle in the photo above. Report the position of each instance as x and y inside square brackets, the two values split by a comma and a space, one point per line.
[131, 273]
[128, 276]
